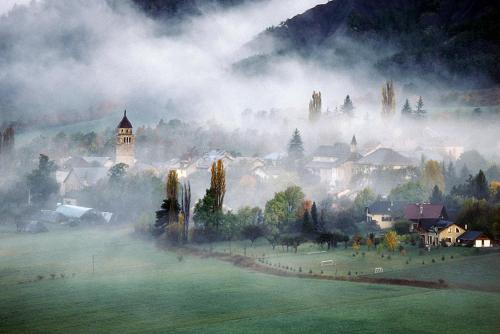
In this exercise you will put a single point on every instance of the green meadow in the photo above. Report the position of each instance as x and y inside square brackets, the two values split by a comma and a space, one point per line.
[47, 286]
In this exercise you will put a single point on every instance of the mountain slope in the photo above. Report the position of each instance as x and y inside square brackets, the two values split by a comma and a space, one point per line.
[457, 38]
[181, 8]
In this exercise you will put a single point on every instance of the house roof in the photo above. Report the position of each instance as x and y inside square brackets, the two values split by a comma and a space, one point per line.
[471, 236]
[90, 175]
[72, 211]
[385, 157]
[386, 207]
[338, 150]
[440, 225]
[125, 123]
[98, 160]
[425, 211]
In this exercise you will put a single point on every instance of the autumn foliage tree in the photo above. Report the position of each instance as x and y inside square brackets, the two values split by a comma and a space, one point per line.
[218, 184]
[432, 175]
[170, 208]
[391, 240]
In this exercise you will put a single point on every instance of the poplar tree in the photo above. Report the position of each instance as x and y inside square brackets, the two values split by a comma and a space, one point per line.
[388, 99]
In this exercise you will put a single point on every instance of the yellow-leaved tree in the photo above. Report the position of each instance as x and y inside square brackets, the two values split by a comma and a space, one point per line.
[391, 240]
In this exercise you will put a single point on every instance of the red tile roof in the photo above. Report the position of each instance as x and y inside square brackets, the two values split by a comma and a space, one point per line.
[425, 211]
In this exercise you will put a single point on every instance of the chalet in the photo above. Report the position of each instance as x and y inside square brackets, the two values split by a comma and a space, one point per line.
[424, 213]
[439, 232]
[385, 213]
[474, 239]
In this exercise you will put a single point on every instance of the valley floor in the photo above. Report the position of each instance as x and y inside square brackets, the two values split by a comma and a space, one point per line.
[136, 288]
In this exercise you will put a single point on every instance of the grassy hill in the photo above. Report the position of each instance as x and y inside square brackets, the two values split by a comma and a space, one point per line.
[137, 288]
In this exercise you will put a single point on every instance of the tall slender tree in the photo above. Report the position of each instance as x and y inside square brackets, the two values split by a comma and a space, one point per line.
[218, 184]
[186, 208]
[388, 99]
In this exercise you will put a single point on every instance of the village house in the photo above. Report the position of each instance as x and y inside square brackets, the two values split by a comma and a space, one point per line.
[427, 213]
[385, 213]
[334, 163]
[431, 222]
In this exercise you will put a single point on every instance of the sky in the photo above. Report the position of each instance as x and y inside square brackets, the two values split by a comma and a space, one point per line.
[6, 5]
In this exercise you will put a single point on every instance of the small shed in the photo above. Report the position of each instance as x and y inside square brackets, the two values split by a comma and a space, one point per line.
[80, 214]
[474, 239]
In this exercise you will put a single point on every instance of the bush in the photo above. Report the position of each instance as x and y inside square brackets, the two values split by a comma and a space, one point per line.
[180, 257]
[349, 273]
[433, 261]
[300, 269]
[310, 271]
[442, 258]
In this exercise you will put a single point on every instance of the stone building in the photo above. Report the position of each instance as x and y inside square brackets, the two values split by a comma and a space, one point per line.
[125, 142]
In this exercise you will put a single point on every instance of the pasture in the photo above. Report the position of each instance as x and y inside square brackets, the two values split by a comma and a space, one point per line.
[136, 288]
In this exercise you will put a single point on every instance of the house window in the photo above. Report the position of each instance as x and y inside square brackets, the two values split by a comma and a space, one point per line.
[449, 230]
[448, 239]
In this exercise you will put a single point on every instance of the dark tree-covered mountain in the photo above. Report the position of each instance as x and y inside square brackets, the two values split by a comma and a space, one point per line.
[181, 8]
[451, 39]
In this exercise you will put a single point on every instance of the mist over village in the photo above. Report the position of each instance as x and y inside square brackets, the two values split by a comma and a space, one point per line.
[249, 166]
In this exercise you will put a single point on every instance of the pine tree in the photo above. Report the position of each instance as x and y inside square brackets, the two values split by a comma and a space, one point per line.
[419, 111]
[480, 186]
[295, 148]
[436, 196]
[347, 107]
[406, 111]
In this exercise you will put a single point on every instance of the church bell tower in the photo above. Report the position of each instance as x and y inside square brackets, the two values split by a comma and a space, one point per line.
[125, 142]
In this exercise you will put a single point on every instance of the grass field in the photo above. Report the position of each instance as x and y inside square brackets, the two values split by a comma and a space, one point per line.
[455, 265]
[139, 289]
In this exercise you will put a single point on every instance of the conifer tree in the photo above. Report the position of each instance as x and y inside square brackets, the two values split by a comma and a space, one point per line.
[406, 111]
[347, 107]
[295, 148]
[419, 111]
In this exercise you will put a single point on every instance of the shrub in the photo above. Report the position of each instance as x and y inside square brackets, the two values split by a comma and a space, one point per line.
[53, 276]
[349, 273]
[321, 272]
[40, 277]
[441, 281]
[300, 269]
[451, 256]
[363, 254]
[180, 257]
[423, 262]
[433, 261]
[442, 258]
[310, 271]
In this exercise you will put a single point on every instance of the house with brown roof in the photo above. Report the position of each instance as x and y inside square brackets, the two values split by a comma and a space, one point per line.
[431, 222]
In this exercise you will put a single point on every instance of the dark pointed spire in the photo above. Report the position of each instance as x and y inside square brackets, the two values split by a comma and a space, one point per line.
[353, 141]
[125, 123]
